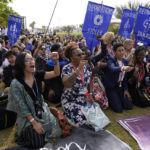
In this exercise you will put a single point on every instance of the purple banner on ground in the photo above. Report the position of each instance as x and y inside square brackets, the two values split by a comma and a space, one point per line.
[139, 128]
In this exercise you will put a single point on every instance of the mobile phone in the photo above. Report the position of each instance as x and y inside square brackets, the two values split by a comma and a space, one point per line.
[46, 127]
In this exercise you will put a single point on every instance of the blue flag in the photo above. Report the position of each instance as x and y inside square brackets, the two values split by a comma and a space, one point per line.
[14, 28]
[96, 22]
[142, 26]
[127, 23]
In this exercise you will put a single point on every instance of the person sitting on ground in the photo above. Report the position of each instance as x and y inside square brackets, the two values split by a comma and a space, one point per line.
[8, 71]
[115, 80]
[41, 58]
[97, 87]
[76, 79]
[3, 61]
[138, 79]
[26, 100]
[52, 92]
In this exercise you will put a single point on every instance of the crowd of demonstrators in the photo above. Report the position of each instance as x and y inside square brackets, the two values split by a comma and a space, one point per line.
[63, 69]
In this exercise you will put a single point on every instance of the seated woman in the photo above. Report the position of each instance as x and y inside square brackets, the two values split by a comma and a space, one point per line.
[76, 79]
[25, 99]
[137, 79]
[115, 80]
[51, 92]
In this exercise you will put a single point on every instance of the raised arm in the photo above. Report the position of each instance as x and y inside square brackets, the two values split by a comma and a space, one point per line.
[56, 72]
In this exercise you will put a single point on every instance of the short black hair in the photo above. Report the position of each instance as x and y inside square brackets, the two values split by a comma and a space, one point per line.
[116, 45]
[9, 53]
[55, 47]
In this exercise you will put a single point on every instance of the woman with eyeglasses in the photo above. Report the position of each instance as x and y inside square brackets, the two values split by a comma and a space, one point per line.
[26, 100]
[76, 79]
[138, 80]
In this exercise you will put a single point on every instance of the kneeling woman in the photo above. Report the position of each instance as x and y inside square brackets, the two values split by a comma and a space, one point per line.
[115, 80]
[25, 99]
[76, 78]
[138, 79]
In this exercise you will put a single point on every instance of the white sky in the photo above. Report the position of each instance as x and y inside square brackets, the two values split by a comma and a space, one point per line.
[68, 12]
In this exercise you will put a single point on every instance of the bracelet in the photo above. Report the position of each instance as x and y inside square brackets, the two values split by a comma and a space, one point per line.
[31, 120]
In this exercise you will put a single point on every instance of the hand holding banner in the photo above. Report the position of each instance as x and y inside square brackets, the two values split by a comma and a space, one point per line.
[96, 22]
[127, 23]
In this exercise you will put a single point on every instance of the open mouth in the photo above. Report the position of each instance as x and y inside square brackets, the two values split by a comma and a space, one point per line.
[32, 66]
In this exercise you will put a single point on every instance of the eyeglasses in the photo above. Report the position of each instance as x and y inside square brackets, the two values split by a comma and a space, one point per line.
[43, 49]
[80, 54]
[29, 60]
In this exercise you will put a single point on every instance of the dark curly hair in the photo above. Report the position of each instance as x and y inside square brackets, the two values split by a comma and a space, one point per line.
[55, 47]
[138, 50]
[19, 66]
[117, 45]
[69, 49]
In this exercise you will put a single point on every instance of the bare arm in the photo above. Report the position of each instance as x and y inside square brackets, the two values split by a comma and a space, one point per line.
[56, 72]
[69, 80]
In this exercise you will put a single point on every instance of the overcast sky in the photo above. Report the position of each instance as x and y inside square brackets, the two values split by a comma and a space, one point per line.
[68, 12]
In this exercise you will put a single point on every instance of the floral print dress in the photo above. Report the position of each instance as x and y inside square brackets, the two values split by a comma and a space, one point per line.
[72, 99]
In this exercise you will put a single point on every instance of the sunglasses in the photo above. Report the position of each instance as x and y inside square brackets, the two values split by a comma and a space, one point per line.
[80, 54]
[43, 49]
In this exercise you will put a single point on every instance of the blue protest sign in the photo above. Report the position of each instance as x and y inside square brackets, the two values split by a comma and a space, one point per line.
[127, 23]
[96, 22]
[14, 28]
[142, 26]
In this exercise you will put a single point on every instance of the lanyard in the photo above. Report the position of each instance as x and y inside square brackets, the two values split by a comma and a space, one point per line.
[82, 76]
[141, 74]
[111, 53]
[32, 87]
[121, 75]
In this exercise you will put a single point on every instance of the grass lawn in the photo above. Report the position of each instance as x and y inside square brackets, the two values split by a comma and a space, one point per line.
[118, 130]
[114, 127]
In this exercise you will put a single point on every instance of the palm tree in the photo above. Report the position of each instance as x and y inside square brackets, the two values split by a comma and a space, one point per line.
[132, 5]
[32, 25]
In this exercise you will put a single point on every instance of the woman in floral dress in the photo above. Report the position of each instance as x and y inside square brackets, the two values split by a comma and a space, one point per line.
[76, 79]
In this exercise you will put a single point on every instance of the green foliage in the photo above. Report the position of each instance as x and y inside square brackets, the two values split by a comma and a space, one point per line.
[73, 34]
[114, 27]
[68, 29]
[32, 25]
[132, 5]
[5, 11]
